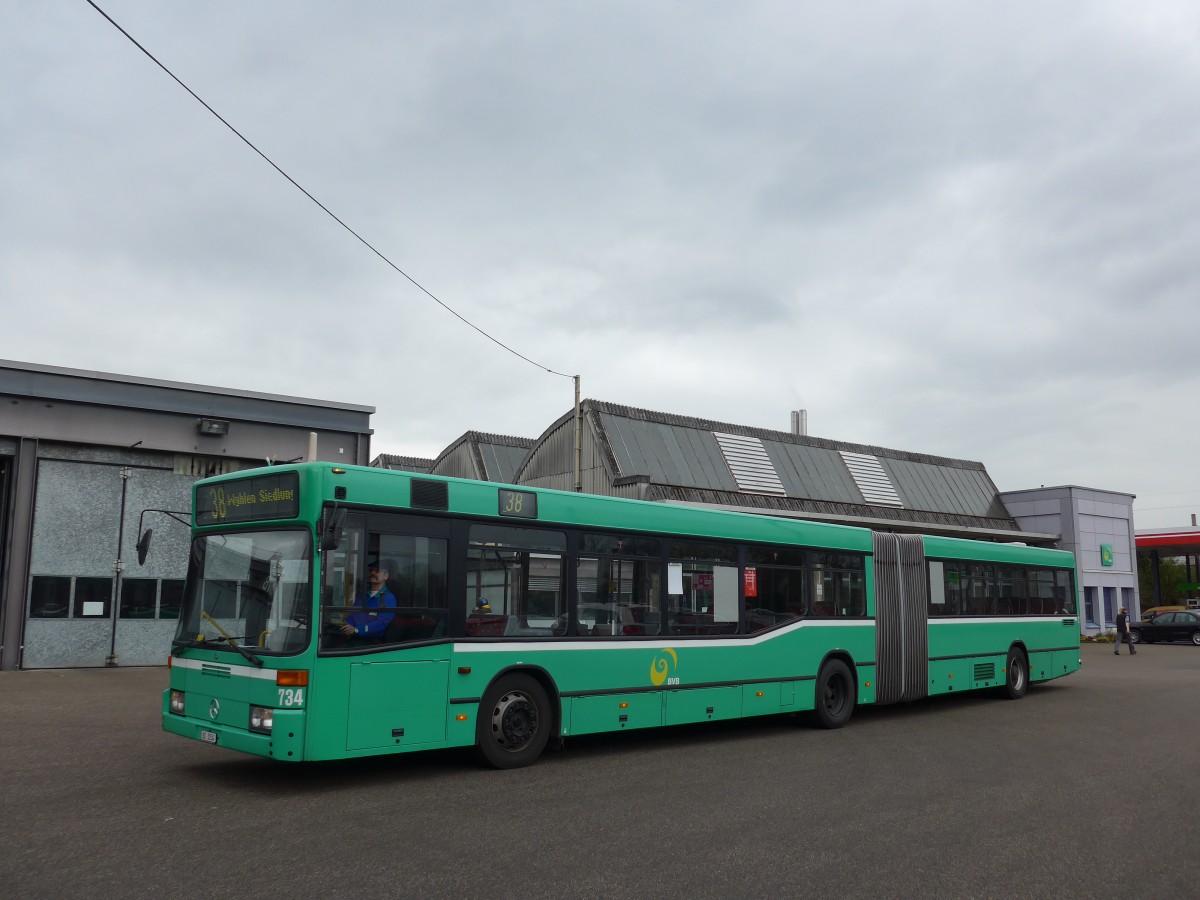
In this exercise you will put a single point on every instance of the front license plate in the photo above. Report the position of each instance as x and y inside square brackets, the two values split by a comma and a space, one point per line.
[209, 737]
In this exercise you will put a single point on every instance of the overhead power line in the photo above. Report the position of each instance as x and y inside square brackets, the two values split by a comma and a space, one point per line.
[324, 208]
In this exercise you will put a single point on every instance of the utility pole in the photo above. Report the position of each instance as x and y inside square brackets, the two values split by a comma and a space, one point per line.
[578, 441]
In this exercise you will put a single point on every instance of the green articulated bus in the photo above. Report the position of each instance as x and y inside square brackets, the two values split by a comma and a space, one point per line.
[334, 612]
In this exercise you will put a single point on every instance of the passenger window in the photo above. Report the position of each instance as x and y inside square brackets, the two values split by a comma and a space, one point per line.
[773, 585]
[1041, 593]
[979, 589]
[952, 595]
[702, 589]
[617, 597]
[1064, 594]
[515, 582]
[838, 585]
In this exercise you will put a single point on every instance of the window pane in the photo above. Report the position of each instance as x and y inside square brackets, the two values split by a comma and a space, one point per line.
[777, 556]
[778, 597]
[170, 598]
[514, 592]
[137, 598]
[416, 568]
[525, 538]
[384, 588]
[979, 589]
[838, 585]
[617, 597]
[620, 545]
[1018, 585]
[698, 550]
[92, 597]
[1065, 595]
[220, 599]
[50, 597]
[1041, 593]
[955, 582]
[702, 598]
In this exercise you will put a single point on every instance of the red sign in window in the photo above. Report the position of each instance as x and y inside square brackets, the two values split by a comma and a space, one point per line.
[751, 579]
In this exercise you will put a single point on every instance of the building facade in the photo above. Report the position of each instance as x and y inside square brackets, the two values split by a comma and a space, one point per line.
[1097, 526]
[87, 461]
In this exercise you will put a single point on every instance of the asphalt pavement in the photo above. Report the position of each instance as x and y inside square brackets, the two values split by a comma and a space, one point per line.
[1087, 787]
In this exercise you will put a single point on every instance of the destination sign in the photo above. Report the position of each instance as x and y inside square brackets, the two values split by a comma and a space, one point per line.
[269, 496]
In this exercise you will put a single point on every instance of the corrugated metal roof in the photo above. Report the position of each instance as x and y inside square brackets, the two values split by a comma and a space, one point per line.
[501, 461]
[493, 457]
[684, 457]
[667, 453]
[402, 463]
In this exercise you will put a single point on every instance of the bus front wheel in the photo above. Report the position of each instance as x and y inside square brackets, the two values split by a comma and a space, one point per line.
[834, 700]
[514, 722]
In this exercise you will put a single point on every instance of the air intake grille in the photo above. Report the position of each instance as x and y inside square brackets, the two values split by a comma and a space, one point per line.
[871, 479]
[429, 495]
[985, 671]
[749, 464]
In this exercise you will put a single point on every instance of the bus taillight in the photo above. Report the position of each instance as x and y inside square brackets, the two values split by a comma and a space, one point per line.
[292, 678]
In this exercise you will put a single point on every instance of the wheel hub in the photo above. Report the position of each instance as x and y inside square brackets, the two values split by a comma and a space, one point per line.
[514, 720]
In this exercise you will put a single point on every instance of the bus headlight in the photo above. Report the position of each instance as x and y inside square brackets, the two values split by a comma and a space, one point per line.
[261, 719]
[177, 702]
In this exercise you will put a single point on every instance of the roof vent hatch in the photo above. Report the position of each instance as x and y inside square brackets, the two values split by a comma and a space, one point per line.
[749, 464]
[876, 487]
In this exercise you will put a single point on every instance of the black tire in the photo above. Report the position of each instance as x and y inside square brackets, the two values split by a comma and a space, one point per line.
[514, 722]
[1196, 638]
[1135, 636]
[835, 695]
[1016, 675]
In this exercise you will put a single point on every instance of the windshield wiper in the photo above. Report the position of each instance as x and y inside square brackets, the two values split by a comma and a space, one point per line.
[227, 639]
[202, 641]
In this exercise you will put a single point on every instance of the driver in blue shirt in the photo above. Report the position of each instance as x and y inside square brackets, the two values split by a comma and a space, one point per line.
[366, 622]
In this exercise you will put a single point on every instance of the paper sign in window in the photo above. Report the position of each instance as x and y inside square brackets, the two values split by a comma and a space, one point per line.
[674, 578]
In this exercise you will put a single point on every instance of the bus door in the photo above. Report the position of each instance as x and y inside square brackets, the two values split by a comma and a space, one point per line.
[901, 618]
[394, 701]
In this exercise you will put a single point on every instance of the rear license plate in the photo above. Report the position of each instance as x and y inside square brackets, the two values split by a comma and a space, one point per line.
[209, 737]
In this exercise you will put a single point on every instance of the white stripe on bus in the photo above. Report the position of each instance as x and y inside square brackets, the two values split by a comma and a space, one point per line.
[621, 643]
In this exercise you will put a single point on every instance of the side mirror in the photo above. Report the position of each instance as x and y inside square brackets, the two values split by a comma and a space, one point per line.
[331, 530]
[143, 546]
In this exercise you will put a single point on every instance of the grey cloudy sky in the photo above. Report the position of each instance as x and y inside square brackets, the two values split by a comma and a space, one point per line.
[961, 229]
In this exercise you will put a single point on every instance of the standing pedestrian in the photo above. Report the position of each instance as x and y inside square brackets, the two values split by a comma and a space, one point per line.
[1123, 633]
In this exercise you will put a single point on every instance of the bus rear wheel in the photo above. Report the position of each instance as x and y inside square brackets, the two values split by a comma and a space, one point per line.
[1016, 676]
[834, 699]
[514, 722]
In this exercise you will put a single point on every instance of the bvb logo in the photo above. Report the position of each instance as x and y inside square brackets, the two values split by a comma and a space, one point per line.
[661, 667]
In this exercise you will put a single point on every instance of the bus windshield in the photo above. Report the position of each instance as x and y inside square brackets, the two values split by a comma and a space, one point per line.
[249, 589]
